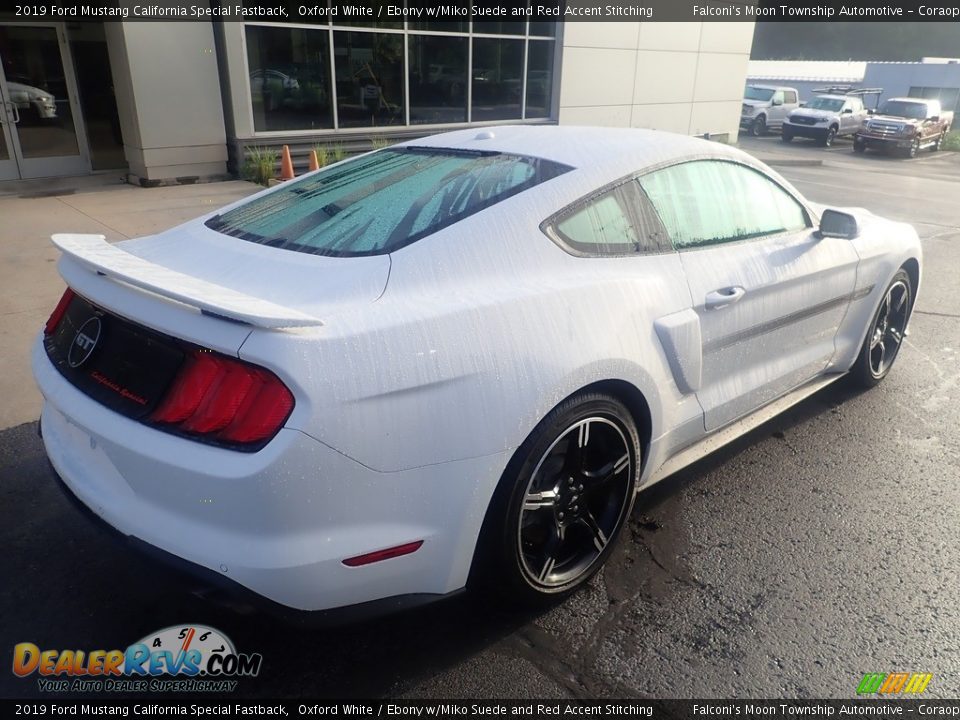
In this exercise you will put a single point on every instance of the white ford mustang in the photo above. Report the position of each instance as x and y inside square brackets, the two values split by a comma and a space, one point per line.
[455, 359]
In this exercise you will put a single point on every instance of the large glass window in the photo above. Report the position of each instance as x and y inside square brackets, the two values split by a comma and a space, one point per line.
[438, 79]
[497, 78]
[539, 79]
[337, 75]
[949, 97]
[381, 201]
[369, 69]
[709, 202]
[289, 78]
[438, 26]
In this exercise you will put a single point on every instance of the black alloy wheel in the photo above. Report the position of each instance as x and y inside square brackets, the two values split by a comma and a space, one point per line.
[571, 488]
[886, 333]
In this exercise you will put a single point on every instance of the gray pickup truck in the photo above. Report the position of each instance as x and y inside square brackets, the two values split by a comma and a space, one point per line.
[765, 107]
[906, 125]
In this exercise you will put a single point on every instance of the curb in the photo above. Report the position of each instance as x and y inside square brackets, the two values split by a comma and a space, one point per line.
[793, 163]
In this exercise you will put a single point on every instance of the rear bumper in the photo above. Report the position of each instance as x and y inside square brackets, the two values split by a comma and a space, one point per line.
[225, 591]
[278, 522]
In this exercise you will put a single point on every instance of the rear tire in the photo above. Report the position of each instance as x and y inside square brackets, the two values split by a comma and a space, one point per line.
[939, 143]
[885, 333]
[562, 502]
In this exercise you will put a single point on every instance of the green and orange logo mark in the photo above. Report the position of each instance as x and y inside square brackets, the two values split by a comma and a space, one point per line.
[893, 683]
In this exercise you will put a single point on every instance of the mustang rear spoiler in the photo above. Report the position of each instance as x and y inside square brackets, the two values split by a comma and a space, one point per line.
[96, 254]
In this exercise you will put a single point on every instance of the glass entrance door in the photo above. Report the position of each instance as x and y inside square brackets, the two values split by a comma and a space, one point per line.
[41, 134]
[8, 164]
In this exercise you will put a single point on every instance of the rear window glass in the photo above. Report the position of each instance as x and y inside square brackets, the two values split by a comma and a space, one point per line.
[380, 202]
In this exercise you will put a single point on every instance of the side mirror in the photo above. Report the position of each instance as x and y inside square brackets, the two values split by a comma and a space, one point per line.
[836, 224]
[776, 102]
[935, 118]
[848, 111]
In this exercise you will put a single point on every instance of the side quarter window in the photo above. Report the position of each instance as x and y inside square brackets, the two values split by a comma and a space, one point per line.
[710, 202]
[790, 97]
[619, 221]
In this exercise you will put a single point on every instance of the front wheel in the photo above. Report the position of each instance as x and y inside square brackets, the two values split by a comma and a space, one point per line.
[829, 137]
[786, 135]
[859, 145]
[759, 126]
[914, 148]
[563, 501]
[886, 332]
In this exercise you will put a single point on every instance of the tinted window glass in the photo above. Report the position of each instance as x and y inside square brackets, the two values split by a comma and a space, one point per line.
[497, 78]
[539, 78]
[602, 227]
[900, 108]
[710, 202]
[369, 70]
[618, 222]
[434, 26]
[757, 93]
[823, 103]
[789, 96]
[438, 79]
[289, 78]
[382, 201]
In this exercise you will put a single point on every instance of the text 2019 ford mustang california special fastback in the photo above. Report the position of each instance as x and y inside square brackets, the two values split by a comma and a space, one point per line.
[452, 360]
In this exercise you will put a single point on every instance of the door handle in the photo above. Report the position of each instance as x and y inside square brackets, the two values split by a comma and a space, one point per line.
[10, 117]
[723, 297]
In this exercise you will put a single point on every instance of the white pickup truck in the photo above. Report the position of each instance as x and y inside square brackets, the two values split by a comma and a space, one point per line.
[824, 118]
[765, 107]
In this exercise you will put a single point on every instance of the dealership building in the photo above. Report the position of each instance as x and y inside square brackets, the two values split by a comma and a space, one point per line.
[185, 101]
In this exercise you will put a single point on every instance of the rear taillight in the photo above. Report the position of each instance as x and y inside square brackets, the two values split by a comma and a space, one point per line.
[58, 312]
[224, 400]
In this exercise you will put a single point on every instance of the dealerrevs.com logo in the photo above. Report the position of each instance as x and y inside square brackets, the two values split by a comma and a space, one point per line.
[180, 658]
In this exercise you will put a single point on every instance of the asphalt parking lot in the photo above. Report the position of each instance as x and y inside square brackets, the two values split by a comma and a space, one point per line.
[820, 547]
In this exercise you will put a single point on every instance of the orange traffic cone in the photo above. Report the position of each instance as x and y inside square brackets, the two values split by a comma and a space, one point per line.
[314, 163]
[286, 164]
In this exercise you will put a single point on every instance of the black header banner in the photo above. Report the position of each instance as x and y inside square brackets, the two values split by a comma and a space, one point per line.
[481, 11]
[184, 706]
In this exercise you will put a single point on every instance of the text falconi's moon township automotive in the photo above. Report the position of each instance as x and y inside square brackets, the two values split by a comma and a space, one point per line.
[821, 11]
